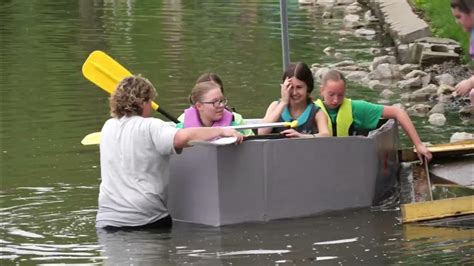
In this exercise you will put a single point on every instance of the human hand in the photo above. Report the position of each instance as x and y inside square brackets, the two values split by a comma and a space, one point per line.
[291, 133]
[464, 87]
[286, 88]
[229, 132]
[422, 151]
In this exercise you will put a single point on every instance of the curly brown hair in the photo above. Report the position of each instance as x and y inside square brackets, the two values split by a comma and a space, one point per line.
[131, 93]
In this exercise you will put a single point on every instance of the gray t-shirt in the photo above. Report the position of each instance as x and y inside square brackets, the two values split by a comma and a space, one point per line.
[134, 160]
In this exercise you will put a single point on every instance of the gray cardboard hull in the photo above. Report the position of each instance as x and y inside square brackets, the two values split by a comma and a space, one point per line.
[262, 180]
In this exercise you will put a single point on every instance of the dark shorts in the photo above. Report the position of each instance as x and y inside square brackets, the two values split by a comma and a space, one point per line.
[163, 223]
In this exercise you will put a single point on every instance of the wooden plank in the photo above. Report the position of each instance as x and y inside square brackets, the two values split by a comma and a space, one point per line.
[420, 211]
[466, 145]
[440, 150]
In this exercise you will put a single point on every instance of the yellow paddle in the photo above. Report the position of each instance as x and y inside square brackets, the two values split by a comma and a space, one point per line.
[91, 139]
[106, 73]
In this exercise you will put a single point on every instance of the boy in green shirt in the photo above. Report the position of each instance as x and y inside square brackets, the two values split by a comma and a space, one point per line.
[345, 115]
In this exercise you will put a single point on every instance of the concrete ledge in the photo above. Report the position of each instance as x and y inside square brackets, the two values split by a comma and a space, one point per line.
[400, 22]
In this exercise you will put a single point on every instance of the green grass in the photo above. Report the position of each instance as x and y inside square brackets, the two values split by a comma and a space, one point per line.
[438, 14]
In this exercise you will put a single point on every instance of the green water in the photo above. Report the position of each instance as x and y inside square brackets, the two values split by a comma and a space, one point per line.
[49, 182]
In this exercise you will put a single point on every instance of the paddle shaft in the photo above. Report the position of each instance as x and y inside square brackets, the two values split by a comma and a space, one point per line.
[165, 114]
[94, 138]
[263, 125]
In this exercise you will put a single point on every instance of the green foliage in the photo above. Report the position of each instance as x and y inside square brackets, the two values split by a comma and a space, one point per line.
[438, 14]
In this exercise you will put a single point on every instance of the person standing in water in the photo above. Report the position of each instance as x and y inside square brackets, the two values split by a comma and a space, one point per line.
[135, 152]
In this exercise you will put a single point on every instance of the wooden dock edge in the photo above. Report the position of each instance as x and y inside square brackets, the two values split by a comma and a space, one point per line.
[439, 150]
[420, 211]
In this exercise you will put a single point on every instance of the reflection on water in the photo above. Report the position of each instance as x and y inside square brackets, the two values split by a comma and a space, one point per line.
[350, 237]
[353, 237]
[129, 247]
[49, 182]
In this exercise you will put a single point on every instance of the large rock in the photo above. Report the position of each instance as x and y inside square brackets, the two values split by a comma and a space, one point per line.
[352, 21]
[364, 32]
[385, 71]
[343, 63]
[386, 59]
[346, 2]
[445, 79]
[410, 83]
[407, 68]
[430, 89]
[415, 73]
[459, 136]
[437, 109]
[415, 97]
[356, 75]
[327, 2]
[353, 9]
[445, 90]
[419, 110]
[437, 119]
[377, 84]
[369, 17]
[428, 51]
[386, 93]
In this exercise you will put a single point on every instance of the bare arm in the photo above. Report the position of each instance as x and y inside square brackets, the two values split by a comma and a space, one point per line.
[273, 113]
[185, 135]
[322, 123]
[402, 117]
[276, 108]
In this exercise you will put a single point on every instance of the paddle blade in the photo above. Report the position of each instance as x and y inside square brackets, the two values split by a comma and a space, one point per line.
[91, 139]
[104, 71]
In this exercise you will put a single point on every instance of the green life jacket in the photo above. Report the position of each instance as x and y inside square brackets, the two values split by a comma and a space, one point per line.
[344, 118]
[238, 120]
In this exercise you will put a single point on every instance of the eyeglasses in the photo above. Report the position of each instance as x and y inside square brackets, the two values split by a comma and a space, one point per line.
[218, 103]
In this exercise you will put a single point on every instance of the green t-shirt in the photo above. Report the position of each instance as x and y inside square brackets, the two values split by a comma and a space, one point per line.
[366, 115]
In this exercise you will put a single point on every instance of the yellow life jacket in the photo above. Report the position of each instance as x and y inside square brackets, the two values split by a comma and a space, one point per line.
[344, 118]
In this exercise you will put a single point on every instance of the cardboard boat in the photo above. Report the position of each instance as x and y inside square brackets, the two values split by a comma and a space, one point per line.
[262, 180]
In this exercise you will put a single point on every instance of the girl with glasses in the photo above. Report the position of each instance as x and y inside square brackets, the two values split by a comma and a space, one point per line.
[209, 108]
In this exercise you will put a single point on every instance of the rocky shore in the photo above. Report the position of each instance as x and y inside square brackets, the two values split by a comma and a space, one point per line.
[422, 72]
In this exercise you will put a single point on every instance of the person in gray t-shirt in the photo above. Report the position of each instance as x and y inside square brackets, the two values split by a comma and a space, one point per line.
[134, 158]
